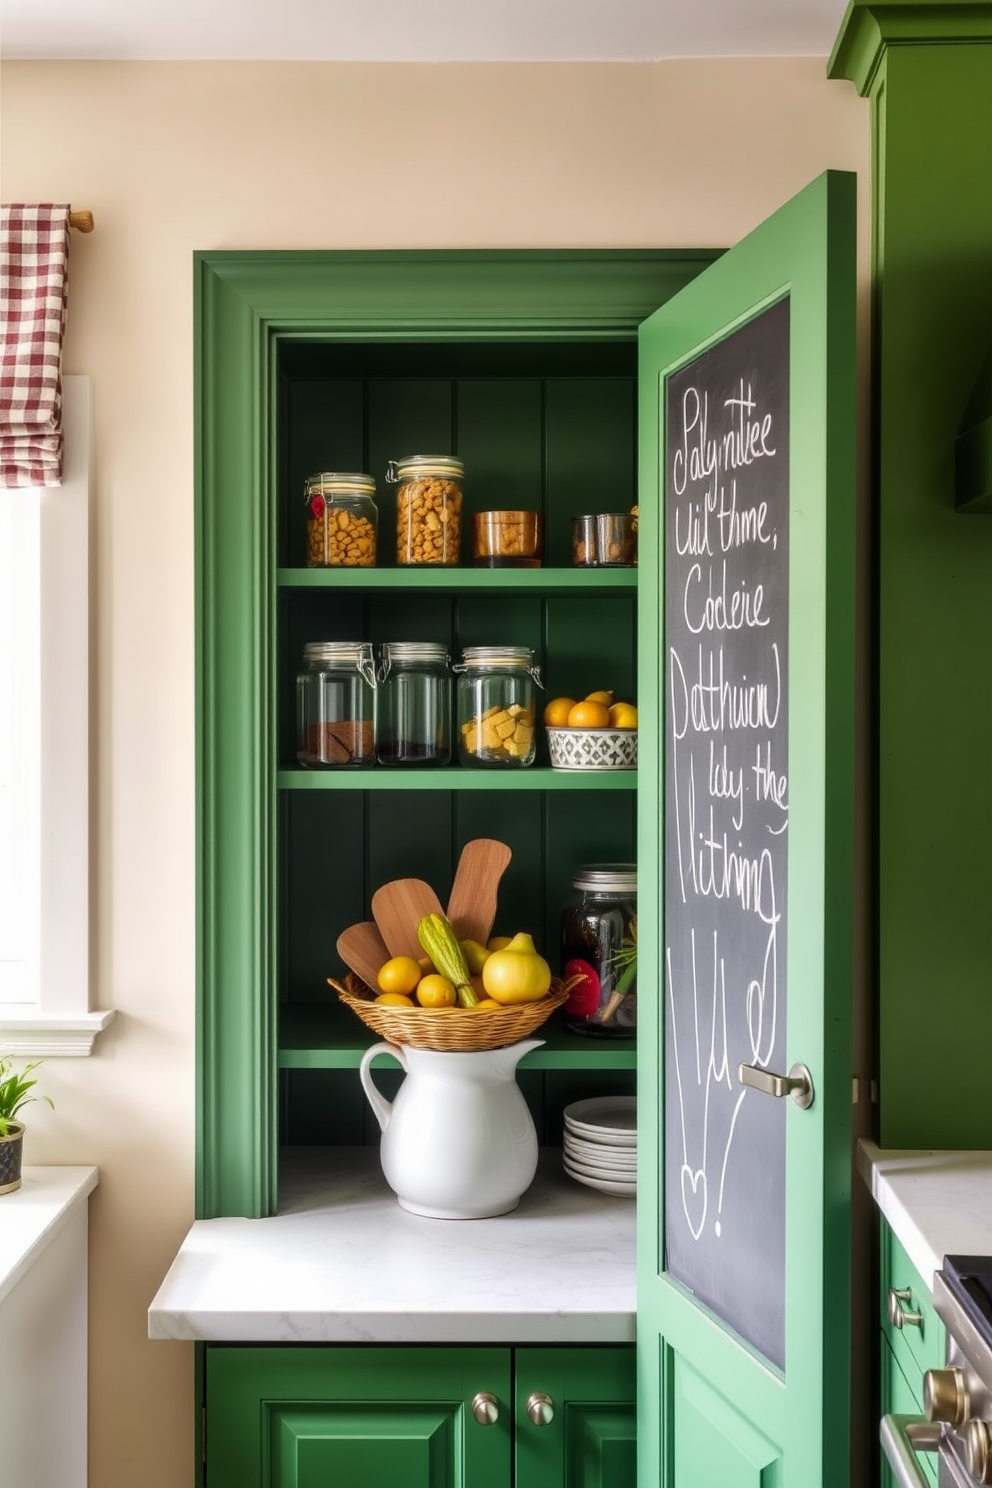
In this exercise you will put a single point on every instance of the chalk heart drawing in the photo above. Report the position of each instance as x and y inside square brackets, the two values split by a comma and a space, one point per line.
[694, 1198]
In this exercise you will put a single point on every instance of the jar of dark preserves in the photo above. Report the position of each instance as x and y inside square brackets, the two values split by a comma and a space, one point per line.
[599, 945]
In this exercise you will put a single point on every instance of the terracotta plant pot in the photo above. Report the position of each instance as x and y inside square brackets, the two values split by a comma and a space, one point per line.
[11, 1147]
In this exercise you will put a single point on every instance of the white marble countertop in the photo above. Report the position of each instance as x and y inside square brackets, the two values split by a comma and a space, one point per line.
[33, 1215]
[342, 1263]
[938, 1203]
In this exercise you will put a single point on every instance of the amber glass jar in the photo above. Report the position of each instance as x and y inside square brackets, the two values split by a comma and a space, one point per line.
[342, 520]
[599, 944]
[428, 509]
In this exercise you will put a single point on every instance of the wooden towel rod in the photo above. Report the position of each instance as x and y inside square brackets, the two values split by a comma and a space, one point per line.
[81, 221]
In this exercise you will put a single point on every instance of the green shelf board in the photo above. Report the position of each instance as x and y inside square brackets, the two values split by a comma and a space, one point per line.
[315, 1036]
[459, 580]
[456, 778]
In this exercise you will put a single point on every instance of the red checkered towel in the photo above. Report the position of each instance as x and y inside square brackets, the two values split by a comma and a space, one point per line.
[34, 261]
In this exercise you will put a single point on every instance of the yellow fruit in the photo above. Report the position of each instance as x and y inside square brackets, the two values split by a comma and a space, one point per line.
[589, 714]
[487, 1002]
[623, 716]
[394, 999]
[517, 973]
[557, 711]
[605, 698]
[426, 965]
[436, 991]
[498, 943]
[476, 955]
[399, 974]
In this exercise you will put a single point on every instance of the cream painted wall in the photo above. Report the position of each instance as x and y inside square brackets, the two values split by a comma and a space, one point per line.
[176, 157]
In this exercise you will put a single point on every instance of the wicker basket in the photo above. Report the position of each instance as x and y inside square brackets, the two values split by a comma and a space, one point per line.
[455, 1029]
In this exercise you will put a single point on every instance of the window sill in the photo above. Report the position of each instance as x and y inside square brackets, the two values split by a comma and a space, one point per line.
[70, 1037]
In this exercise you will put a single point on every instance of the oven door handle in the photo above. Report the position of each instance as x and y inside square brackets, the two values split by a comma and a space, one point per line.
[902, 1437]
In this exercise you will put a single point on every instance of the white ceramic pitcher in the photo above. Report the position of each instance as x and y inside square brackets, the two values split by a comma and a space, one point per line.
[458, 1141]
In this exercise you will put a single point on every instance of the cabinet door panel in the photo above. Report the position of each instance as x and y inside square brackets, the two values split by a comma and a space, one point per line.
[900, 1399]
[591, 1440]
[308, 1417]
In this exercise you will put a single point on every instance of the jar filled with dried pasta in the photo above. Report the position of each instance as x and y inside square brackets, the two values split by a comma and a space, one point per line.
[497, 705]
[428, 509]
[335, 705]
[341, 520]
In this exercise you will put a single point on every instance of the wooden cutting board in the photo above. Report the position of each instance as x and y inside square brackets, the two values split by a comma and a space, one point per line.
[472, 906]
[398, 908]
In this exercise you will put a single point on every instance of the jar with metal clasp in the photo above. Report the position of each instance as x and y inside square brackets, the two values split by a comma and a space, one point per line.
[497, 706]
[335, 693]
[413, 704]
[342, 521]
[599, 946]
[428, 509]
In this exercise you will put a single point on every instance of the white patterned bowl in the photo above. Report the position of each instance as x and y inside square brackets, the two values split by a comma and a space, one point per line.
[592, 749]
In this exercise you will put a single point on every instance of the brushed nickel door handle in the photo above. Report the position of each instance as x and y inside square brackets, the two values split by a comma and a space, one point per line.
[798, 1083]
[902, 1437]
[899, 1314]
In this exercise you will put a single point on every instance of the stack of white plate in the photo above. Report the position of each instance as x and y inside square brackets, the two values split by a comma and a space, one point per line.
[599, 1143]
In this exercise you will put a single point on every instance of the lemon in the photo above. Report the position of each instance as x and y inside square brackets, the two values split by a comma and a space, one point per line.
[623, 716]
[498, 943]
[487, 1002]
[556, 712]
[590, 713]
[605, 698]
[517, 973]
[394, 999]
[435, 991]
[399, 974]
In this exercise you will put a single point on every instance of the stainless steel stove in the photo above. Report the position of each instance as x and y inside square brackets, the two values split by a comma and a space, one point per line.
[958, 1398]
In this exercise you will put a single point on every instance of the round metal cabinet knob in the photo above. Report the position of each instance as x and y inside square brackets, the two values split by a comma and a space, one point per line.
[485, 1408]
[899, 1315]
[945, 1397]
[978, 1450]
[540, 1409]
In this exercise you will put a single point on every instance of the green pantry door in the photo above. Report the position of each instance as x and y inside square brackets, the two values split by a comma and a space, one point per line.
[744, 896]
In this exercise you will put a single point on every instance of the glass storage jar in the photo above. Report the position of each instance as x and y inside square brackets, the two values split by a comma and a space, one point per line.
[497, 705]
[599, 944]
[428, 509]
[342, 521]
[413, 704]
[335, 713]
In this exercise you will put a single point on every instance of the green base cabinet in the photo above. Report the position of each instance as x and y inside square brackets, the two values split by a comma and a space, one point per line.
[909, 1350]
[312, 1416]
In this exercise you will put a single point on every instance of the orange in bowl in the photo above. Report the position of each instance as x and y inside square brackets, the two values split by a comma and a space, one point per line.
[589, 714]
[556, 712]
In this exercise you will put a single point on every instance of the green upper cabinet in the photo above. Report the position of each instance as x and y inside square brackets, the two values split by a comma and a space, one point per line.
[524, 365]
[746, 833]
[927, 69]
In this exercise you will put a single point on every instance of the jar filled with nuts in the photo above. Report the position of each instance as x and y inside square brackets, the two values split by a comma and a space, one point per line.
[341, 520]
[335, 705]
[428, 509]
[496, 705]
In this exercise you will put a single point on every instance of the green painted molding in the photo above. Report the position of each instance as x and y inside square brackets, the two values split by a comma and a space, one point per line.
[869, 27]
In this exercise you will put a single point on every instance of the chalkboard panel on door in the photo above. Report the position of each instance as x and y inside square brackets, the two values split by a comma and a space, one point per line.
[726, 492]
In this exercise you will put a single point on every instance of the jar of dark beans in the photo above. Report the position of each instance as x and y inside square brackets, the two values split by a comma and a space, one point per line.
[599, 946]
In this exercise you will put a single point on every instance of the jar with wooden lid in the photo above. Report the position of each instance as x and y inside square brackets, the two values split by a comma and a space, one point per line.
[342, 520]
[335, 705]
[428, 509]
[497, 706]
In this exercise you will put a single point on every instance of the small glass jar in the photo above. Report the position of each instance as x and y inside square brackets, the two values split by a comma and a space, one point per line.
[342, 520]
[497, 705]
[599, 944]
[413, 704]
[335, 694]
[428, 509]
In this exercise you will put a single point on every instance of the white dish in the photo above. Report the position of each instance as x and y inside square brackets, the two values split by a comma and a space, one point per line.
[611, 1119]
[614, 1157]
[597, 1170]
[604, 1185]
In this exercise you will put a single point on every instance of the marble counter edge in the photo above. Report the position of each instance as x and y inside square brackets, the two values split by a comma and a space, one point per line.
[908, 1186]
[34, 1214]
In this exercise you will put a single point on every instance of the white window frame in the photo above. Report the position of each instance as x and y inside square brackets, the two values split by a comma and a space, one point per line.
[45, 1000]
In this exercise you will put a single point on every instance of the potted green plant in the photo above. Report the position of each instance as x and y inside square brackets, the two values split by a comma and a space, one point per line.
[14, 1096]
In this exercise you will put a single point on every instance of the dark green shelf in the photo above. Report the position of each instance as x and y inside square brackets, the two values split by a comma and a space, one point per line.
[315, 1036]
[460, 580]
[456, 778]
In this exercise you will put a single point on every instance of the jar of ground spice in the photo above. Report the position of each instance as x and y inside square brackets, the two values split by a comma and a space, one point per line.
[341, 520]
[428, 509]
[335, 693]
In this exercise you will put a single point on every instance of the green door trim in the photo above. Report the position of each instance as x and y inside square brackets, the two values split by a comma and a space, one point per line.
[245, 303]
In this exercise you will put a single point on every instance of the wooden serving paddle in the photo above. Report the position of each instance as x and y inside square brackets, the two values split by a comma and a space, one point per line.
[398, 908]
[472, 905]
[363, 951]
